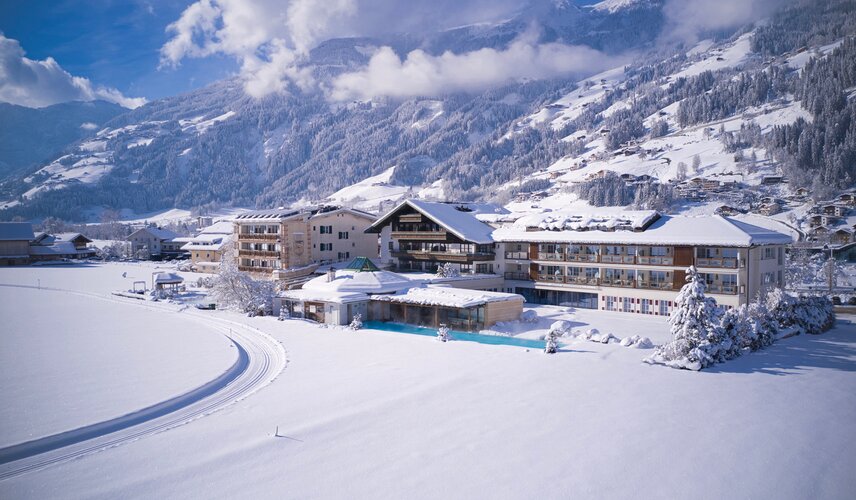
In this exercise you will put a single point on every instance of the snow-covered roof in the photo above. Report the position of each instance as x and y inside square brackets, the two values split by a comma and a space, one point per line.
[713, 230]
[324, 296]
[15, 231]
[349, 280]
[211, 242]
[221, 228]
[354, 211]
[275, 214]
[448, 297]
[577, 221]
[157, 232]
[70, 237]
[167, 278]
[461, 223]
[57, 248]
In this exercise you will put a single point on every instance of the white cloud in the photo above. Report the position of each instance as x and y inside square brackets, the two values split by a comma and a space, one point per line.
[687, 19]
[32, 83]
[421, 74]
[270, 38]
[88, 126]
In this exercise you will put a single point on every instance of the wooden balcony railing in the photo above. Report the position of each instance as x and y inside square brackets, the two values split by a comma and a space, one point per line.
[518, 276]
[655, 261]
[517, 255]
[257, 253]
[258, 236]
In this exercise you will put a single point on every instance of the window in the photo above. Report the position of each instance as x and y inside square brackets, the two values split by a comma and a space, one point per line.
[343, 235]
[659, 251]
[325, 229]
[610, 303]
[768, 278]
[484, 268]
[769, 253]
[626, 304]
[646, 306]
[664, 308]
[326, 247]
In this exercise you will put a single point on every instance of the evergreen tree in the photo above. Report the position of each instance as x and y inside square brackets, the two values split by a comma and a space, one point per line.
[443, 334]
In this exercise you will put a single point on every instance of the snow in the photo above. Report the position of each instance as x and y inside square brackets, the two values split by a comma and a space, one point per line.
[347, 280]
[731, 56]
[369, 192]
[382, 414]
[711, 230]
[201, 125]
[448, 297]
[324, 296]
[69, 360]
[140, 142]
[462, 224]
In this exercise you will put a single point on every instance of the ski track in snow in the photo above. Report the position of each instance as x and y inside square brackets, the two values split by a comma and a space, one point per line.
[261, 359]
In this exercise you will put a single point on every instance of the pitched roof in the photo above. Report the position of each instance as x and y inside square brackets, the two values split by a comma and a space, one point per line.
[222, 227]
[16, 231]
[157, 232]
[71, 237]
[461, 223]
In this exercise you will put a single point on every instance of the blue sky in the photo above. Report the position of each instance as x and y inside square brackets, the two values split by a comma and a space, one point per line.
[113, 43]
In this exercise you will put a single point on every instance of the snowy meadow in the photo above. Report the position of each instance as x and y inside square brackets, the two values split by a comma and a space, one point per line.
[379, 414]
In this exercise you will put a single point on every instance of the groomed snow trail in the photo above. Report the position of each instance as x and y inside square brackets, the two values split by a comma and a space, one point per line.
[260, 360]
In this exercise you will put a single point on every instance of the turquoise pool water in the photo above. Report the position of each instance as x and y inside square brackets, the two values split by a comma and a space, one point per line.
[469, 337]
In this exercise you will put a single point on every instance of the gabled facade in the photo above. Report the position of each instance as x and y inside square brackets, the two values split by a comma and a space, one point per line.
[206, 248]
[420, 236]
[155, 242]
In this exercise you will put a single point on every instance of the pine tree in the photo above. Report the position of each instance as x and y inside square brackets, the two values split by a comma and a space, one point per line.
[699, 340]
[443, 333]
[356, 322]
[551, 345]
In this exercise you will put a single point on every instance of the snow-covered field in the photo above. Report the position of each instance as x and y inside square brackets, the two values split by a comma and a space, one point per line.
[387, 415]
[69, 360]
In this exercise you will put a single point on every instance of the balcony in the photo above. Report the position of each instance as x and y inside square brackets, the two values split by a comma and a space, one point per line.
[581, 257]
[730, 263]
[622, 283]
[656, 285]
[722, 289]
[551, 256]
[551, 278]
[618, 259]
[517, 255]
[258, 236]
[655, 261]
[518, 276]
[257, 253]
[419, 235]
[442, 256]
[254, 269]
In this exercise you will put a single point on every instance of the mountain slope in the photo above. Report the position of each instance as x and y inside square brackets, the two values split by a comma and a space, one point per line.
[29, 136]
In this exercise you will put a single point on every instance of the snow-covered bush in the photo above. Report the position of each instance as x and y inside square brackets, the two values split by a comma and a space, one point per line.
[637, 341]
[529, 316]
[590, 333]
[114, 250]
[356, 322]
[550, 343]
[699, 339]
[283, 313]
[447, 270]
[604, 338]
[561, 327]
[443, 334]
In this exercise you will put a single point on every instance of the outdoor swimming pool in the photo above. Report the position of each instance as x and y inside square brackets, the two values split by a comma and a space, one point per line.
[469, 337]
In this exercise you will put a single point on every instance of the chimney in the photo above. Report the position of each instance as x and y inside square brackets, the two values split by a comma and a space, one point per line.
[331, 274]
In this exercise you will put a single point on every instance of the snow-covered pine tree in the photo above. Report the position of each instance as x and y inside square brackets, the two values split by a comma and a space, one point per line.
[283, 313]
[356, 322]
[550, 343]
[443, 334]
[699, 339]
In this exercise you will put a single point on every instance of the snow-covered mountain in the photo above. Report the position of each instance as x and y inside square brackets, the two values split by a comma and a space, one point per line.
[721, 106]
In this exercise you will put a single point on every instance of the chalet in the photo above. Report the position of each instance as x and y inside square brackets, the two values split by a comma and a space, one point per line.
[801, 192]
[847, 199]
[769, 209]
[155, 243]
[15, 240]
[206, 248]
[841, 237]
[835, 210]
[45, 247]
[420, 236]
[769, 180]
[728, 210]
[819, 233]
